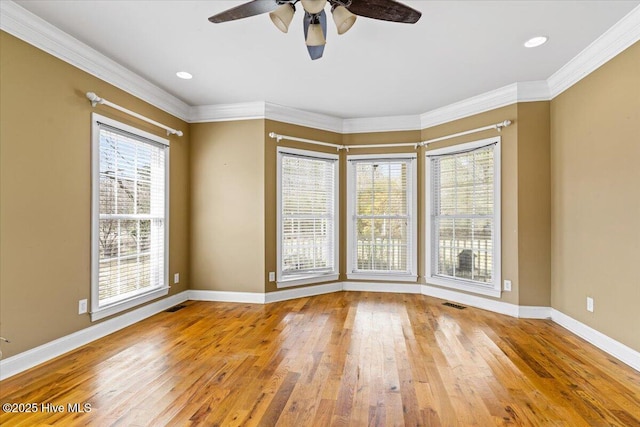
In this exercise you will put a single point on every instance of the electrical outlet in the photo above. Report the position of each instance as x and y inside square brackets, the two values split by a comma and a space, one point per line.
[176, 278]
[272, 276]
[507, 285]
[590, 304]
[82, 306]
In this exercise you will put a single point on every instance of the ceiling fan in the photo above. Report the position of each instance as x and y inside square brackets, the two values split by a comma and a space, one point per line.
[315, 19]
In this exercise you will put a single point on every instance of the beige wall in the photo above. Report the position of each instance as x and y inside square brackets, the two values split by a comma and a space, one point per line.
[534, 204]
[45, 192]
[595, 198]
[227, 210]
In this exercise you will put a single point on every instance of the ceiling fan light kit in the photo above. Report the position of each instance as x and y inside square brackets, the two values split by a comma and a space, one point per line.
[313, 6]
[283, 16]
[315, 36]
[344, 14]
[343, 18]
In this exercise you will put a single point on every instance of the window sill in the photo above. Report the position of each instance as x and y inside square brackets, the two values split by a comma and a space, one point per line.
[464, 286]
[118, 307]
[307, 280]
[383, 277]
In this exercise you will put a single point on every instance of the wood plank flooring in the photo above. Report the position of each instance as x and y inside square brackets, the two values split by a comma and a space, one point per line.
[349, 358]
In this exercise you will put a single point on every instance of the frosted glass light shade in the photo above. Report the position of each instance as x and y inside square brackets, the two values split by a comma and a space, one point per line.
[313, 6]
[282, 16]
[315, 36]
[343, 18]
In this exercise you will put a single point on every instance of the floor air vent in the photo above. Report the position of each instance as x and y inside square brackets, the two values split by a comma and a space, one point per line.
[175, 308]
[450, 304]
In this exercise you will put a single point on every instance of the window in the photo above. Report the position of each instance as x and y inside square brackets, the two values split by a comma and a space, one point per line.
[463, 219]
[382, 228]
[129, 217]
[307, 217]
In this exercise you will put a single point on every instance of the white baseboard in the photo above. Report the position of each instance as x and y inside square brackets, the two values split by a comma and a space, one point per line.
[30, 358]
[45, 352]
[533, 312]
[394, 288]
[260, 298]
[472, 300]
[603, 342]
[307, 291]
[226, 296]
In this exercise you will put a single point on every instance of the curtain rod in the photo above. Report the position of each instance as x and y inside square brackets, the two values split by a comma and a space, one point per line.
[95, 100]
[497, 126]
[279, 138]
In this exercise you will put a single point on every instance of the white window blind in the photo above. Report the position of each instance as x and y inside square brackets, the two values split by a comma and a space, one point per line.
[308, 222]
[131, 216]
[383, 226]
[463, 215]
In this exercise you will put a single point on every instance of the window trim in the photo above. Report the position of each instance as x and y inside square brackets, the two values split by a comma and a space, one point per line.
[412, 258]
[98, 312]
[306, 279]
[494, 289]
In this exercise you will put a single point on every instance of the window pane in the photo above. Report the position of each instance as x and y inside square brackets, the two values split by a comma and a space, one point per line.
[308, 215]
[131, 225]
[462, 208]
[382, 193]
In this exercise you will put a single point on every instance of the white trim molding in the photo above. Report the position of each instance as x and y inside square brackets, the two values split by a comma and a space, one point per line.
[307, 291]
[392, 288]
[227, 112]
[264, 298]
[381, 124]
[36, 31]
[21, 362]
[615, 40]
[493, 305]
[298, 117]
[227, 296]
[30, 358]
[496, 306]
[534, 312]
[491, 100]
[507, 95]
[605, 343]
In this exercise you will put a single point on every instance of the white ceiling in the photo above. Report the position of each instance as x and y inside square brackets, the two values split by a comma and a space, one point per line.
[457, 50]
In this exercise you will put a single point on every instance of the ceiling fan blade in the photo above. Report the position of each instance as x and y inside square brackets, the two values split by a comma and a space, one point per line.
[252, 8]
[385, 10]
[315, 52]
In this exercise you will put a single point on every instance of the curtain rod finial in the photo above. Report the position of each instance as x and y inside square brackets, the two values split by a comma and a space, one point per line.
[95, 99]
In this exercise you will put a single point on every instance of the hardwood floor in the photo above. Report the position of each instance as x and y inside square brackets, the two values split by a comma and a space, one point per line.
[347, 358]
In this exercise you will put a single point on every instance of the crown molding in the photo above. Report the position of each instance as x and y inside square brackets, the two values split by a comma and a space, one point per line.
[616, 39]
[227, 112]
[478, 104]
[303, 118]
[26, 26]
[264, 110]
[39, 33]
[533, 91]
[381, 124]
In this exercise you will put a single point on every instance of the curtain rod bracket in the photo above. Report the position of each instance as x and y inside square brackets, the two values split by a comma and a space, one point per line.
[95, 99]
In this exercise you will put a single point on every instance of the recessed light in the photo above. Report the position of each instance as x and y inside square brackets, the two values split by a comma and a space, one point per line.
[536, 41]
[184, 75]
